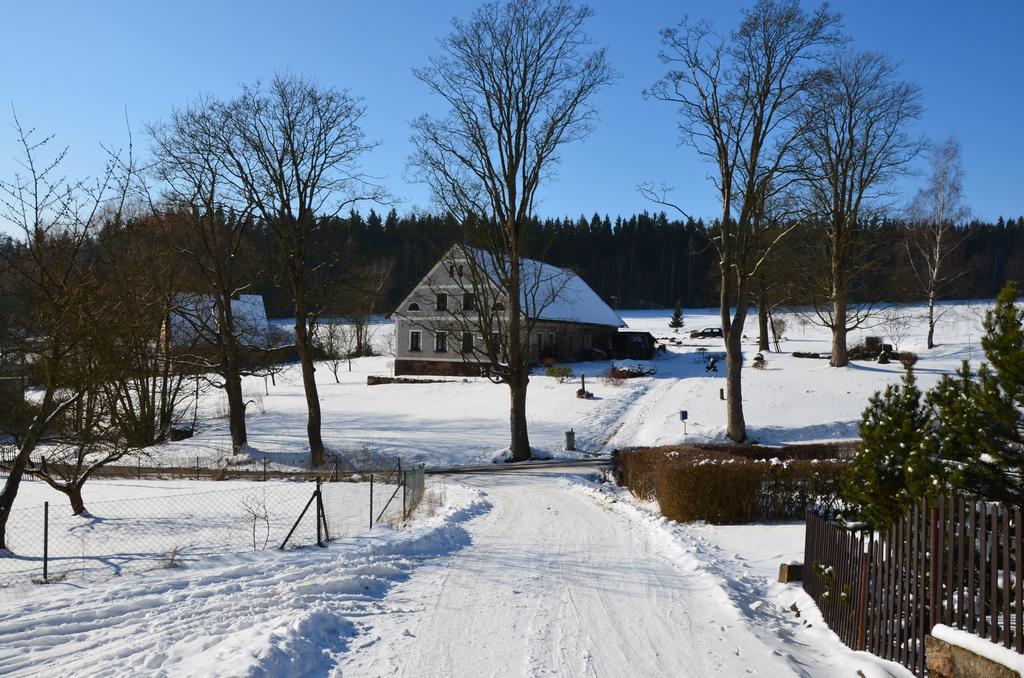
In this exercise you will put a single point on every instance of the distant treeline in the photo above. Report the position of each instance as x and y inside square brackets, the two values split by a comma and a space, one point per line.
[642, 261]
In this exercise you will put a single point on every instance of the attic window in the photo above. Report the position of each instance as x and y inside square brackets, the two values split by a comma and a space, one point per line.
[498, 306]
[414, 306]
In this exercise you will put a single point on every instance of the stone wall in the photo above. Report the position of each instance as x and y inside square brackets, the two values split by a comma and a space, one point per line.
[952, 661]
[444, 368]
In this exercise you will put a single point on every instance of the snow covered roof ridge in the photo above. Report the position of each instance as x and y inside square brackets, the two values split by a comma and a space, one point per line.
[552, 293]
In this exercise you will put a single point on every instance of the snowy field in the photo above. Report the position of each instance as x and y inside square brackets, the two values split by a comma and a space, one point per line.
[526, 574]
[150, 524]
[465, 421]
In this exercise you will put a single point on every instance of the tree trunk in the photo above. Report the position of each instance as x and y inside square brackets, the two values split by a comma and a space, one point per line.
[28, 445]
[736, 427]
[732, 328]
[840, 355]
[931, 320]
[236, 407]
[74, 492]
[762, 324]
[520, 438]
[305, 351]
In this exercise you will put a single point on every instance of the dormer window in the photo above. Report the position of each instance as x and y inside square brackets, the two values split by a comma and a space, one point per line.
[414, 306]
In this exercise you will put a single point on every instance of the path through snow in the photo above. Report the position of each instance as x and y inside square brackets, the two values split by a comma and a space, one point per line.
[562, 579]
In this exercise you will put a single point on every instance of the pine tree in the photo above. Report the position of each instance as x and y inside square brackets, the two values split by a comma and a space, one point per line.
[895, 464]
[980, 433]
[676, 321]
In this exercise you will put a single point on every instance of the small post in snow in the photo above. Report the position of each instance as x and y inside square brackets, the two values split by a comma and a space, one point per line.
[371, 501]
[46, 538]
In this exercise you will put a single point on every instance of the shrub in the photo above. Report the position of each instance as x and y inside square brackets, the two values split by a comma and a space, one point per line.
[561, 374]
[908, 359]
[733, 484]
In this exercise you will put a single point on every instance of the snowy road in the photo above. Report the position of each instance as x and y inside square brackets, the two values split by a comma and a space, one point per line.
[558, 580]
[525, 574]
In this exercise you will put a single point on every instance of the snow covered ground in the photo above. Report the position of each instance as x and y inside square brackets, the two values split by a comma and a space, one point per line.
[528, 574]
[516, 575]
[465, 421]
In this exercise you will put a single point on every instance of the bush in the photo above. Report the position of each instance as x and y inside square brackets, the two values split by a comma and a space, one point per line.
[720, 486]
[908, 359]
[561, 374]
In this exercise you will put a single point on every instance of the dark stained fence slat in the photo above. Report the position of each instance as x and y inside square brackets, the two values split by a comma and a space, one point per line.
[1018, 591]
[981, 613]
[1005, 547]
[971, 610]
[994, 579]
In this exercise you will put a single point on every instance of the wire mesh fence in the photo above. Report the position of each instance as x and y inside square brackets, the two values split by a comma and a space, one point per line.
[48, 543]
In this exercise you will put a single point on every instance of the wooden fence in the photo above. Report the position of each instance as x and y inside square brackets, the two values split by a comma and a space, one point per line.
[952, 561]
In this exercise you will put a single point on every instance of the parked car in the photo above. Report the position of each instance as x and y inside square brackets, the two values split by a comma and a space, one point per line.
[707, 333]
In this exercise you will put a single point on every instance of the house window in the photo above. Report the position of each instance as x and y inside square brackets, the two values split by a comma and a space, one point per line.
[441, 342]
[551, 339]
[451, 271]
[495, 342]
[467, 342]
[415, 341]
[414, 306]
[441, 302]
[498, 306]
[468, 302]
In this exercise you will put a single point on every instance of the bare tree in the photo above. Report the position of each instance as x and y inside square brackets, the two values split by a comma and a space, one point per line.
[933, 233]
[518, 79]
[338, 342]
[738, 99]
[896, 324]
[854, 140]
[292, 151]
[52, 272]
[215, 248]
[362, 290]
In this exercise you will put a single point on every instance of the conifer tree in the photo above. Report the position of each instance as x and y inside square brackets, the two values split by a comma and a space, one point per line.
[894, 466]
[980, 432]
[676, 322]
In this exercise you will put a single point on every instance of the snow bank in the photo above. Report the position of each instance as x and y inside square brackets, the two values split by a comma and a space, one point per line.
[980, 646]
[269, 613]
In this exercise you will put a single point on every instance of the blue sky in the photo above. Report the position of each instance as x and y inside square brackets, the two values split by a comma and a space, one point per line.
[72, 68]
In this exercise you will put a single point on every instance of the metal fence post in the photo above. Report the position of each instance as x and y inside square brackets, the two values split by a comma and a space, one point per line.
[197, 468]
[371, 501]
[319, 513]
[46, 539]
[405, 476]
[138, 467]
[264, 468]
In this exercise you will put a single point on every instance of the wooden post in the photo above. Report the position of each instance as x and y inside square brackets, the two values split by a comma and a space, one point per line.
[862, 593]
[934, 569]
[371, 501]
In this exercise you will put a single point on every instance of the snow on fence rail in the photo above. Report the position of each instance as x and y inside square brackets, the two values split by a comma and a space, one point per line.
[954, 560]
[48, 544]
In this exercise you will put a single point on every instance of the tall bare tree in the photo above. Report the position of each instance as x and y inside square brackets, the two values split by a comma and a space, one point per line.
[932, 235]
[214, 247]
[51, 271]
[292, 151]
[739, 102]
[519, 79]
[854, 141]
